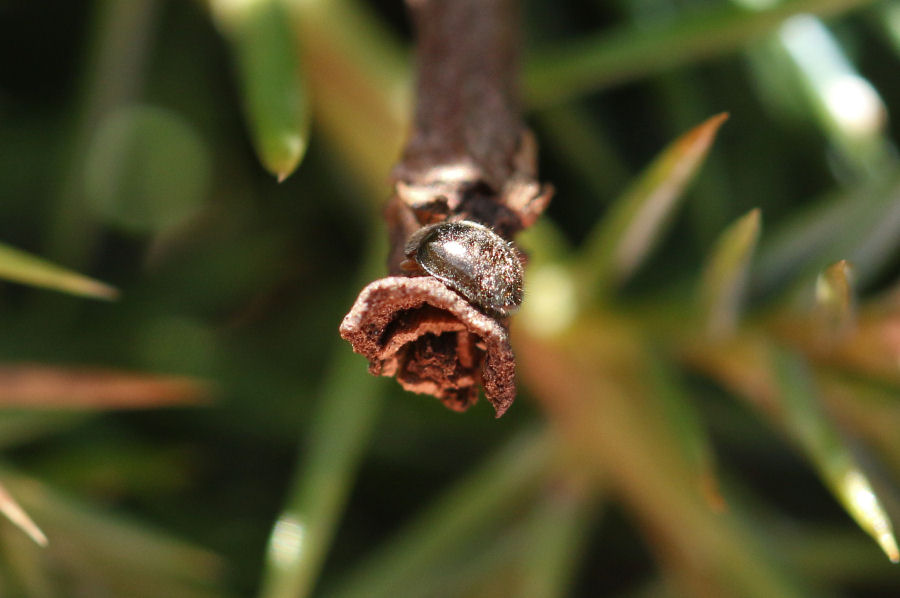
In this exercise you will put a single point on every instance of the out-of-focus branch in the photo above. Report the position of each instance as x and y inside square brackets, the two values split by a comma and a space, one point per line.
[30, 386]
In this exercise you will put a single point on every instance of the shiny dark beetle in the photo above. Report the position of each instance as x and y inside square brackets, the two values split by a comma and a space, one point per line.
[472, 260]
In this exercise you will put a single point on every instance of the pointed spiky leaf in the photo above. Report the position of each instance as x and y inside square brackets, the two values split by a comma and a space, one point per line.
[817, 436]
[270, 75]
[637, 220]
[17, 515]
[724, 276]
[19, 266]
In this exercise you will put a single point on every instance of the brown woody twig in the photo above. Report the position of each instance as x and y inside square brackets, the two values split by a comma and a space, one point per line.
[469, 157]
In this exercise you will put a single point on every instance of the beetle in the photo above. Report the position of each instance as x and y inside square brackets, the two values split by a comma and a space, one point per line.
[472, 260]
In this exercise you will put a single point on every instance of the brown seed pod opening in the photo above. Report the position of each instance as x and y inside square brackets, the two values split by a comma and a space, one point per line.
[433, 341]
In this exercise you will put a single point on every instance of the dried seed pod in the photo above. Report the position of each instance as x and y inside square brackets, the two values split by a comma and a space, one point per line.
[472, 260]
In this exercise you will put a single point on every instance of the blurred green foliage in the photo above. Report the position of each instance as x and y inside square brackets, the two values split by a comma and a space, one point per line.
[679, 431]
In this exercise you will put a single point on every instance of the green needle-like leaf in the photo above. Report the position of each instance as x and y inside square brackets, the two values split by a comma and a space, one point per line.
[349, 405]
[862, 225]
[119, 557]
[618, 245]
[817, 436]
[626, 54]
[482, 499]
[17, 515]
[272, 86]
[18, 266]
[725, 275]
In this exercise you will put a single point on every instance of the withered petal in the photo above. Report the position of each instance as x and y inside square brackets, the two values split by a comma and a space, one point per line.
[433, 341]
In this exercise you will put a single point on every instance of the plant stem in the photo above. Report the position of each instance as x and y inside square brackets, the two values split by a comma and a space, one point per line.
[480, 500]
[349, 403]
[340, 430]
[469, 157]
[466, 116]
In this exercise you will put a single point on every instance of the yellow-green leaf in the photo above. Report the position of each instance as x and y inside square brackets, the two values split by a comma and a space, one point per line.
[725, 275]
[17, 515]
[18, 266]
[622, 240]
[807, 424]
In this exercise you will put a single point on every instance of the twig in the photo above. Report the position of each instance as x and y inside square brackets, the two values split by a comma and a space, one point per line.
[469, 157]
